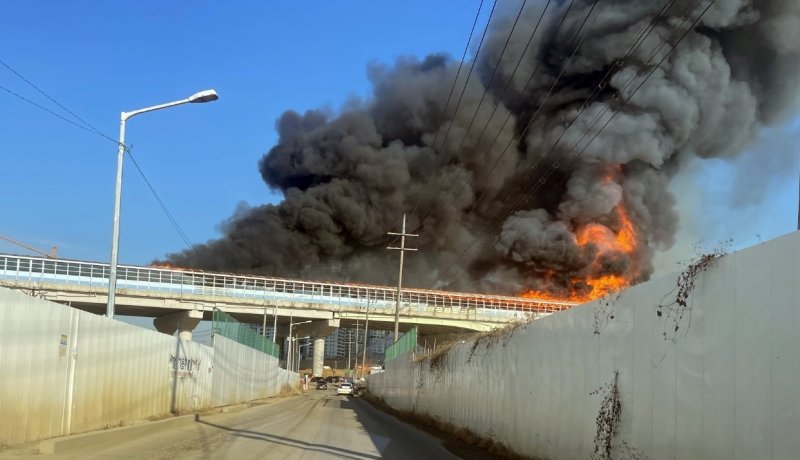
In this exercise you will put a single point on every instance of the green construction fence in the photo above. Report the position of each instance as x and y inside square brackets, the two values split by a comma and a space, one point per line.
[226, 326]
[407, 342]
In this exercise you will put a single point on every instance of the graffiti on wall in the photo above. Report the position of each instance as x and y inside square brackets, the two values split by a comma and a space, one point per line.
[183, 366]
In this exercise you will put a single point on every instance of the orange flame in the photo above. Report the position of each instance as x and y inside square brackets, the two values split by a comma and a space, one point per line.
[605, 240]
[167, 265]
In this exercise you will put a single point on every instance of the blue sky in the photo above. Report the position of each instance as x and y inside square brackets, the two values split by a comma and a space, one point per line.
[100, 58]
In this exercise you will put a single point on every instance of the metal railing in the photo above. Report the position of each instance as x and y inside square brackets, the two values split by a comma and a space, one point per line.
[155, 279]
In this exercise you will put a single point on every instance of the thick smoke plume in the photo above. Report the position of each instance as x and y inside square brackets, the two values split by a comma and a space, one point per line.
[581, 191]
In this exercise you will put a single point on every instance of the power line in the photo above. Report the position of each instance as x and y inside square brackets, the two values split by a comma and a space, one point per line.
[501, 98]
[547, 96]
[543, 179]
[480, 103]
[461, 95]
[455, 80]
[491, 222]
[171, 218]
[537, 184]
[596, 92]
[86, 126]
[460, 65]
[469, 75]
[524, 90]
[23, 98]
[635, 46]
[555, 166]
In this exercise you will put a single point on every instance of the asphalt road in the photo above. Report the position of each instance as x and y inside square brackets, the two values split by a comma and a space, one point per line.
[316, 425]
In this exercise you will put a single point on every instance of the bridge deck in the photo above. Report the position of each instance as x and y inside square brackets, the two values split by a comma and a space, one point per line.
[27, 271]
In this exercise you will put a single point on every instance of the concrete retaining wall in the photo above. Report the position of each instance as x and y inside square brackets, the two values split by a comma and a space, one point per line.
[67, 371]
[717, 378]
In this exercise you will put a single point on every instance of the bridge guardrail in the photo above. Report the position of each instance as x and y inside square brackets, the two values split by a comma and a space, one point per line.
[37, 269]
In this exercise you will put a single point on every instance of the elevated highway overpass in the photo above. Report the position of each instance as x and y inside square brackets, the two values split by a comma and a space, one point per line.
[161, 293]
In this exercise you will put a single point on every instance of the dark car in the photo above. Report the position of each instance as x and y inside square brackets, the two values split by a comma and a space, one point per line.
[322, 384]
[359, 388]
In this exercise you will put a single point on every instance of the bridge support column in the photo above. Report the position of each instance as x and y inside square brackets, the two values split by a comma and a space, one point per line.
[184, 322]
[319, 356]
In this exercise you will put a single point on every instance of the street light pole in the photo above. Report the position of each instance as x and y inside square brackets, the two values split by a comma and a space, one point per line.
[112, 273]
[203, 96]
[299, 353]
[290, 348]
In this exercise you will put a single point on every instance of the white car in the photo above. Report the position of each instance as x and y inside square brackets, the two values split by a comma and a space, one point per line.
[345, 388]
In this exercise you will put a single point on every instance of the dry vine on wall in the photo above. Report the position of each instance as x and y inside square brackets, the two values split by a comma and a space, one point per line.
[678, 308]
[604, 311]
[607, 419]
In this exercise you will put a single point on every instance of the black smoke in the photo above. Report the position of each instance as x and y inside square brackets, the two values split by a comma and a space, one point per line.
[497, 219]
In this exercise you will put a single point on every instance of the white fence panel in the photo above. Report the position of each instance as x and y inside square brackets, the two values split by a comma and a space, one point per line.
[121, 373]
[716, 379]
[67, 371]
[191, 373]
[34, 358]
[244, 374]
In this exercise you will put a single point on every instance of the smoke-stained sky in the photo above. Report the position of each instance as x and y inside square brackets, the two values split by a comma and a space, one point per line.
[573, 132]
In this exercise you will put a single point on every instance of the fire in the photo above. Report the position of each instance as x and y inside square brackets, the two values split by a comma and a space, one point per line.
[626, 238]
[606, 241]
[167, 265]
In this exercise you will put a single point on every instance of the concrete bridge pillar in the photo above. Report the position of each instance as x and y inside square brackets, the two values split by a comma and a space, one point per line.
[318, 329]
[319, 356]
[183, 321]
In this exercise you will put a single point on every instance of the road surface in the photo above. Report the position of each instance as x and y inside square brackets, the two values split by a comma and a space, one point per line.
[315, 425]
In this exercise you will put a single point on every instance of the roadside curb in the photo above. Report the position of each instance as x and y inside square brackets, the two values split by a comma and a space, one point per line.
[235, 408]
[54, 445]
[119, 434]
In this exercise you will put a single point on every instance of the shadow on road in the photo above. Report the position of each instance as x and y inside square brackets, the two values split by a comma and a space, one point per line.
[400, 440]
[375, 417]
[293, 442]
[394, 439]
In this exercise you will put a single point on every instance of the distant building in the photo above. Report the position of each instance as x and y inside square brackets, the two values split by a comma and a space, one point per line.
[341, 341]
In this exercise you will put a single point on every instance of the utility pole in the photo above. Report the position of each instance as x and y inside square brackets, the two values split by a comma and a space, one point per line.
[402, 250]
[275, 322]
[349, 348]
[355, 368]
[366, 331]
[289, 346]
[264, 324]
[297, 369]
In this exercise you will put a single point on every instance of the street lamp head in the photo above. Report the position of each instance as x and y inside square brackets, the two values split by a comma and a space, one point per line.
[208, 95]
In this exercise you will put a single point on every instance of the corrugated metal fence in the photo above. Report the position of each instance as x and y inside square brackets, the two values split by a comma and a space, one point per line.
[714, 377]
[67, 371]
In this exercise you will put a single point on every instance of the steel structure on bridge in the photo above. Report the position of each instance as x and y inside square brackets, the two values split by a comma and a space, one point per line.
[38, 272]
